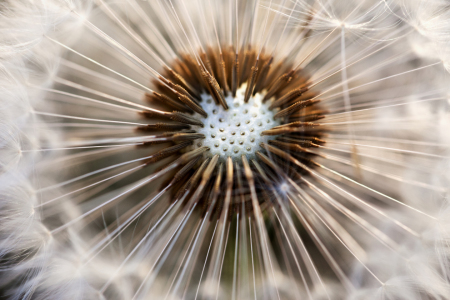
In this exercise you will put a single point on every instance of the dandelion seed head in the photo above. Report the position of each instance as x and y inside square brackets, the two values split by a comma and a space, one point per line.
[224, 149]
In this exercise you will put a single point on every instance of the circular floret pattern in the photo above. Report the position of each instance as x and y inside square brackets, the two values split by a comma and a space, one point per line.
[239, 129]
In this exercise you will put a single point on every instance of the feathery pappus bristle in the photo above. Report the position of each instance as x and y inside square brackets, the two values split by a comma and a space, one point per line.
[260, 149]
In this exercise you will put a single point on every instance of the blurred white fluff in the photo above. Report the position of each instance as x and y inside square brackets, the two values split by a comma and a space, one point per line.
[37, 265]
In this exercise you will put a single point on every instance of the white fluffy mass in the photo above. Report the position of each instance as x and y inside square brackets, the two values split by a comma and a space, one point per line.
[80, 220]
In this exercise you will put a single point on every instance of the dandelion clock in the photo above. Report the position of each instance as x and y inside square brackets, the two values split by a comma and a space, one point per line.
[206, 149]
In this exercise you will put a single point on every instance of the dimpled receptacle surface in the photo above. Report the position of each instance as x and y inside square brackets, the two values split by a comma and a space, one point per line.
[236, 131]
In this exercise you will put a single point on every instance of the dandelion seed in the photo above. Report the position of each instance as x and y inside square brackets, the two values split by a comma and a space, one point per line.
[205, 149]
